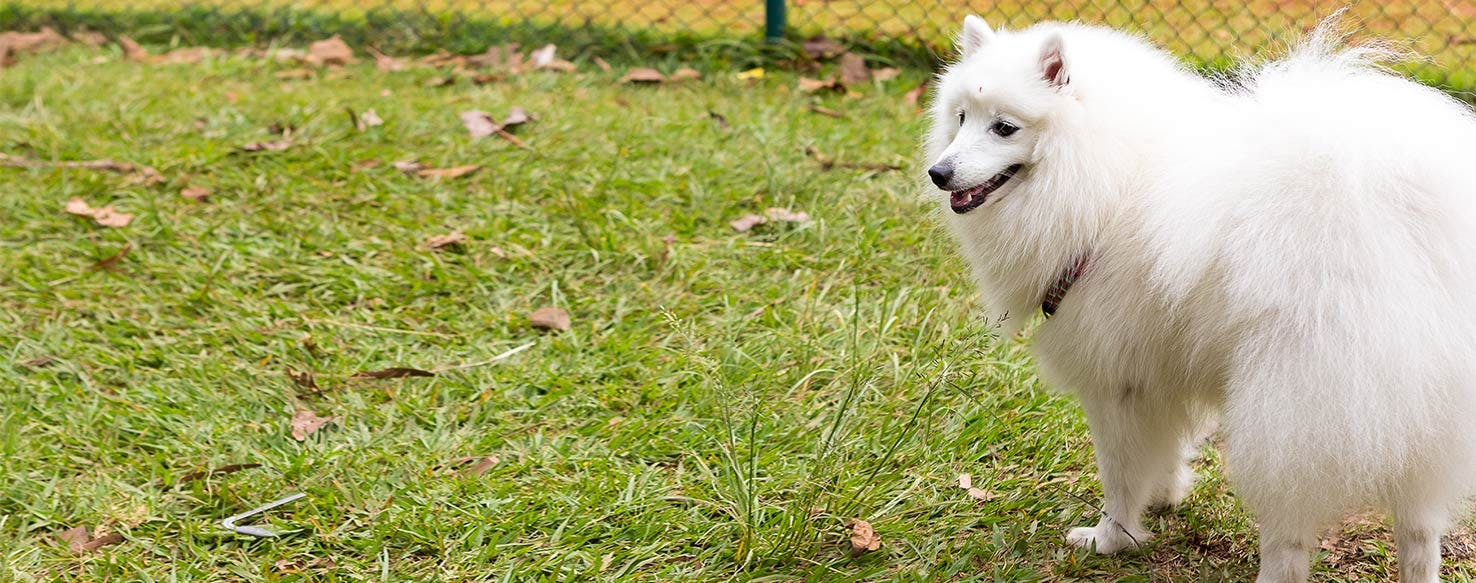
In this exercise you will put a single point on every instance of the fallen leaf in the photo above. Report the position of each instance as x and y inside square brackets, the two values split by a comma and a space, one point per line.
[602, 64]
[76, 538]
[385, 62]
[542, 57]
[643, 75]
[853, 70]
[302, 378]
[196, 194]
[369, 119]
[106, 216]
[409, 166]
[786, 215]
[550, 319]
[684, 74]
[483, 464]
[751, 74]
[808, 85]
[915, 95]
[886, 74]
[863, 538]
[822, 48]
[441, 81]
[515, 117]
[393, 372]
[79, 207]
[365, 164]
[270, 146]
[90, 38]
[93, 545]
[17, 43]
[479, 124]
[138, 172]
[448, 173]
[305, 423]
[827, 112]
[220, 471]
[965, 481]
[111, 261]
[330, 52]
[718, 118]
[132, 50]
[979, 494]
[747, 222]
[449, 240]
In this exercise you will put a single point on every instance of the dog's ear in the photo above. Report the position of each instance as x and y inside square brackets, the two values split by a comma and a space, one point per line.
[976, 33]
[1053, 61]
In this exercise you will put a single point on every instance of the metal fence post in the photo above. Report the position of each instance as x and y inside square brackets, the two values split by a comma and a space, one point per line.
[773, 20]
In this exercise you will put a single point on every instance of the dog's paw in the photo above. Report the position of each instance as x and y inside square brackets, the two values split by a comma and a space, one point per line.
[1105, 538]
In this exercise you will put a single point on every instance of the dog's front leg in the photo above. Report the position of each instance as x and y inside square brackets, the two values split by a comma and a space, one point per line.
[1138, 451]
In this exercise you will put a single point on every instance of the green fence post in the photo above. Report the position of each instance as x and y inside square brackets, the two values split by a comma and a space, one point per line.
[773, 20]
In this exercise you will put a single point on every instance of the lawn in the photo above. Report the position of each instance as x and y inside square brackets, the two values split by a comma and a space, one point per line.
[722, 404]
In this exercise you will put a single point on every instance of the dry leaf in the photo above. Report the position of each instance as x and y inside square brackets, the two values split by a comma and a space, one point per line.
[132, 50]
[886, 74]
[483, 464]
[448, 173]
[747, 222]
[542, 57]
[718, 118]
[140, 173]
[366, 164]
[303, 379]
[385, 62]
[978, 494]
[853, 70]
[106, 216]
[684, 74]
[602, 64]
[330, 52]
[786, 215]
[643, 75]
[111, 261]
[394, 372]
[808, 85]
[550, 319]
[965, 481]
[305, 423]
[479, 124]
[76, 538]
[90, 38]
[452, 239]
[272, 146]
[827, 112]
[441, 81]
[196, 194]
[364, 121]
[863, 538]
[409, 166]
[16, 43]
[515, 117]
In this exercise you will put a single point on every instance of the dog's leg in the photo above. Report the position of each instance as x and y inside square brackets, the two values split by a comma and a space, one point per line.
[1180, 481]
[1286, 553]
[1417, 530]
[1138, 451]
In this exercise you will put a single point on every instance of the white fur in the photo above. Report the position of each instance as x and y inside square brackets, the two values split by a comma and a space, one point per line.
[1292, 260]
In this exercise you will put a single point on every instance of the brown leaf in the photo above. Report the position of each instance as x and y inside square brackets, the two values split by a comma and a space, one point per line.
[853, 70]
[449, 240]
[886, 74]
[364, 121]
[808, 85]
[479, 124]
[822, 48]
[827, 112]
[305, 423]
[393, 372]
[111, 538]
[409, 166]
[330, 52]
[106, 216]
[684, 74]
[481, 466]
[747, 222]
[17, 43]
[979, 494]
[515, 117]
[965, 481]
[132, 50]
[550, 319]
[643, 75]
[863, 538]
[602, 64]
[441, 81]
[786, 215]
[271, 146]
[915, 95]
[718, 118]
[385, 62]
[302, 378]
[111, 261]
[366, 164]
[220, 471]
[196, 194]
[76, 538]
[90, 38]
[448, 173]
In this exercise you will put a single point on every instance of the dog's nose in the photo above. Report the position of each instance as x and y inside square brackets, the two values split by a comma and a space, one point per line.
[942, 174]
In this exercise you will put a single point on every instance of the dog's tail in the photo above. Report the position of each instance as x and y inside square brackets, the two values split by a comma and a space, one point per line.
[1329, 46]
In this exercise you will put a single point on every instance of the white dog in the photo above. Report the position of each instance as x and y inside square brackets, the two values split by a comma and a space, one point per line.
[1290, 257]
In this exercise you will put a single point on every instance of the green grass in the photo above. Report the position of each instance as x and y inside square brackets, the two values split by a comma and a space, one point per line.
[722, 403]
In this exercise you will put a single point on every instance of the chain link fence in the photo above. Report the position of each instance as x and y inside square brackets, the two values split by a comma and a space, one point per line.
[1210, 33]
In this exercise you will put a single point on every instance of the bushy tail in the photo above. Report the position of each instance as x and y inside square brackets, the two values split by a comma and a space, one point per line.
[1329, 46]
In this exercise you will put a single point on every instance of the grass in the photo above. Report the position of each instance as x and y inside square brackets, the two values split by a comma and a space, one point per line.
[722, 404]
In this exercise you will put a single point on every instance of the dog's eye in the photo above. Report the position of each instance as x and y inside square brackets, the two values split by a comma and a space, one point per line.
[1003, 128]
[960, 118]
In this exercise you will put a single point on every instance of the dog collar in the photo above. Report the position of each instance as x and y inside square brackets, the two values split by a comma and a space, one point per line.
[1057, 291]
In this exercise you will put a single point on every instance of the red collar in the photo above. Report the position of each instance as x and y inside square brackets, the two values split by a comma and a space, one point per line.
[1057, 291]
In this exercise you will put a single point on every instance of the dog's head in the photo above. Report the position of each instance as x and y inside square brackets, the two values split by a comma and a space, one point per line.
[991, 110]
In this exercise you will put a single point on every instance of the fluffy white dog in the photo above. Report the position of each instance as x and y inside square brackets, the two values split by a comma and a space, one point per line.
[1290, 257]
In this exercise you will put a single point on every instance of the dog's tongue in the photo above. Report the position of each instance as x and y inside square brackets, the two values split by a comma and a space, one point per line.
[959, 198]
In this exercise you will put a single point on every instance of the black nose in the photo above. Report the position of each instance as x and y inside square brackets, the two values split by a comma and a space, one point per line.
[942, 174]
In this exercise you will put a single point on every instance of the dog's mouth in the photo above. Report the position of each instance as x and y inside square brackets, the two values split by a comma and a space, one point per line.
[968, 199]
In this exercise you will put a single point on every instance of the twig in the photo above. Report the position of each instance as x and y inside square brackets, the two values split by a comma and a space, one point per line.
[492, 360]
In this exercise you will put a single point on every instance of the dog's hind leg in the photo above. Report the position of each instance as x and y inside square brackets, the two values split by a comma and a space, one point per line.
[1419, 520]
[1139, 449]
